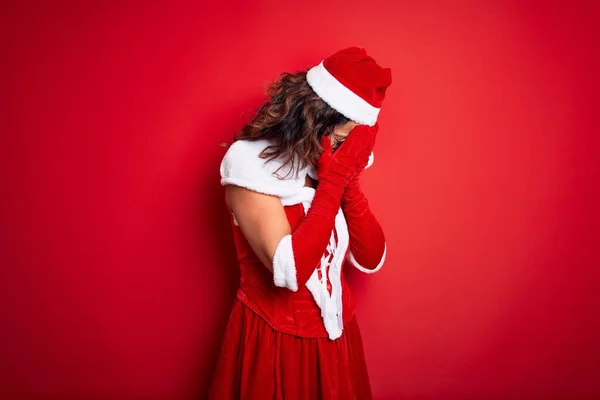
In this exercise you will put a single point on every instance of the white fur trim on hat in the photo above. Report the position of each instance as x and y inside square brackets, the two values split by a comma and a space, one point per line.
[339, 97]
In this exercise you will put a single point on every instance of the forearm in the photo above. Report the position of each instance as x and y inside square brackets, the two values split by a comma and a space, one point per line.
[299, 253]
[367, 241]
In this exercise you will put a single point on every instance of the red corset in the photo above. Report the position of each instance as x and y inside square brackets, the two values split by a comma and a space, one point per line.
[290, 312]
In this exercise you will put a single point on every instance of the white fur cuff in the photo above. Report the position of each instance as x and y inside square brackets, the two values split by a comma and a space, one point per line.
[363, 269]
[371, 160]
[284, 265]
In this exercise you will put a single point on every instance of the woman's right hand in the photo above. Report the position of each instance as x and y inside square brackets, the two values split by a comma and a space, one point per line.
[298, 254]
[350, 158]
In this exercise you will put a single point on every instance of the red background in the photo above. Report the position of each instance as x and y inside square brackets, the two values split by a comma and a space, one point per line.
[117, 258]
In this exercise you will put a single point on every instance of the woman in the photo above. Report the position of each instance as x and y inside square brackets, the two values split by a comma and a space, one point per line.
[298, 214]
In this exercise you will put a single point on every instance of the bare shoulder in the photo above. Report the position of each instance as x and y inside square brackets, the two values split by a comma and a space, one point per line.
[244, 167]
[242, 200]
[253, 193]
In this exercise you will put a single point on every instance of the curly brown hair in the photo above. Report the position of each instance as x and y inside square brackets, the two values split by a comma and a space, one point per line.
[295, 118]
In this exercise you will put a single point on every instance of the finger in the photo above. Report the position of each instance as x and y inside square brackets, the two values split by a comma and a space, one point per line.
[327, 152]
[358, 134]
[375, 129]
[326, 144]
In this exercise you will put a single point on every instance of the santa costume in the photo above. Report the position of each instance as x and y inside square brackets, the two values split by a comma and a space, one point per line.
[292, 333]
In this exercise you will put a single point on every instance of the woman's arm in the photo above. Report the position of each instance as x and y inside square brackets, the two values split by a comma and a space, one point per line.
[293, 256]
[297, 255]
[367, 241]
[261, 218]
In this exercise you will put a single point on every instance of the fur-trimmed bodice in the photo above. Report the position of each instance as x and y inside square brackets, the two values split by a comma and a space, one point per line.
[324, 304]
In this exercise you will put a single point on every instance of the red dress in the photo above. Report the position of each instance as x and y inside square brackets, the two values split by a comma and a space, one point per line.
[281, 344]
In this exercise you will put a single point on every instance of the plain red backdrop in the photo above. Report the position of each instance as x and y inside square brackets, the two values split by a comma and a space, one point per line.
[117, 260]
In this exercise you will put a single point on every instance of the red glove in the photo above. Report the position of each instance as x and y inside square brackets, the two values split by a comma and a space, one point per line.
[367, 242]
[297, 255]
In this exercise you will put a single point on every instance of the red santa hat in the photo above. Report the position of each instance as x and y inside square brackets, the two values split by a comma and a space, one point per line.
[352, 83]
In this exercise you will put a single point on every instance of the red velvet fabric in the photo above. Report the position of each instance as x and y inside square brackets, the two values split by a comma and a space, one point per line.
[295, 313]
[367, 240]
[275, 345]
[335, 170]
[258, 362]
[360, 73]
